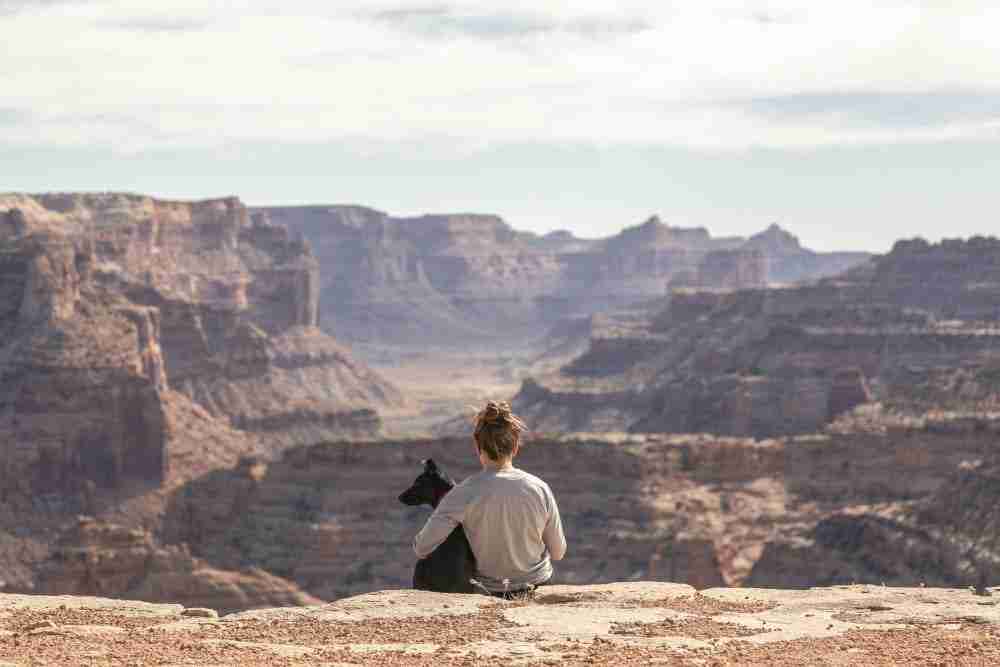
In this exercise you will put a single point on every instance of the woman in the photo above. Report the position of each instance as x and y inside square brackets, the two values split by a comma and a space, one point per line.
[509, 516]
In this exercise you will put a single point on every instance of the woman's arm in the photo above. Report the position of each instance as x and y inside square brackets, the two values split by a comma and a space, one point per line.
[449, 513]
[555, 540]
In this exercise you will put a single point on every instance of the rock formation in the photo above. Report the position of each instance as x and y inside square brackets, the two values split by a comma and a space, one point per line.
[854, 504]
[902, 331]
[789, 262]
[727, 269]
[111, 303]
[948, 537]
[468, 279]
[697, 509]
[143, 342]
[98, 558]
[627, 623]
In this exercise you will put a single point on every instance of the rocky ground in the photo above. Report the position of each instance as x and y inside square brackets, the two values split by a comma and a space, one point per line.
[635, 623]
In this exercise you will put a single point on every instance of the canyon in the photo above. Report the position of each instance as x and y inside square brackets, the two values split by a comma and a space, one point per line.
[453, 308]
[466, 280]
[915, 330]
[907, 505]
[142, 341]
[117, 308]
[217, 405]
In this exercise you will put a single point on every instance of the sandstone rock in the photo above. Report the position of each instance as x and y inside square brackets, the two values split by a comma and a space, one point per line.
[380, 604]
[789, 262]
[467, 279]
[280, 650]
[728, 269]
[694, 509]
[96, 557]
[87, 630]
[41, 625]
[611, 594]
[111, 301]
[10, 602]
[625, 626]
[780, 361]
[327, 518]
[200, 612]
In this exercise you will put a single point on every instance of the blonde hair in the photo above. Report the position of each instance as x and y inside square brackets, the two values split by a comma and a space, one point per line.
[498, 430]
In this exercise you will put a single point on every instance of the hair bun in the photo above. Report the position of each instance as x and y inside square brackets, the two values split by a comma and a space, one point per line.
[498, 430]
[496, 412]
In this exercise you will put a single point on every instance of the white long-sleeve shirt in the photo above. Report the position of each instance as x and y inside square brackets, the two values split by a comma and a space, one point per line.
[512, 522]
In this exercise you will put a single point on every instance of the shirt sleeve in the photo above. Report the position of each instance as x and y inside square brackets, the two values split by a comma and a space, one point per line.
[555, 540]
[449, 513]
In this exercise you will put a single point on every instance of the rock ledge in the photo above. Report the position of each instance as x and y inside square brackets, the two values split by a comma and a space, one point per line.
[620, 623]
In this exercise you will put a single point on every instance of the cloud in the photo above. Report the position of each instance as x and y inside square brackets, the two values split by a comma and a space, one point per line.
[437, 22]
[11, 7]
[883, 109]
[158, 24]
[465, 73]
[12, 117]
[443, 21]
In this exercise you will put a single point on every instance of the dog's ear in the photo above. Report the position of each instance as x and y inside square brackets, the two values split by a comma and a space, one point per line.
[430, 466]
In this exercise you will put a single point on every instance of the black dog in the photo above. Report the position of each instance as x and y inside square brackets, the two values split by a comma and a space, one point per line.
[448, 568]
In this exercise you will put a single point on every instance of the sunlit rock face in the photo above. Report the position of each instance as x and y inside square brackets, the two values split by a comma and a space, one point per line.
[114, 306]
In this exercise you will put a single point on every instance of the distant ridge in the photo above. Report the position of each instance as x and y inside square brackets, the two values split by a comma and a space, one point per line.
[464, 279]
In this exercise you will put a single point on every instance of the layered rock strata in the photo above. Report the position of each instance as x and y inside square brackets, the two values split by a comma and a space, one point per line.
[472, 279]
[99, 558]
[112, 302]
[693, 508]
[901, 331]
[948, 537]
[727, 269]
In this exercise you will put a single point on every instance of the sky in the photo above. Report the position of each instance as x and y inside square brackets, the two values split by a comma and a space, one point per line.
[850, 123]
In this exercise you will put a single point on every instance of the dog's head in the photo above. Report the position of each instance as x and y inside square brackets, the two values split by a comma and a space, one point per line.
[429, 487]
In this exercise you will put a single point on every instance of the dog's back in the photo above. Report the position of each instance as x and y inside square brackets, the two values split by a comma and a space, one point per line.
[451, 566]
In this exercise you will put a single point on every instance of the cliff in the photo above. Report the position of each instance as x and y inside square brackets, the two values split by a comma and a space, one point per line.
[698, 509]
[790, 262]
[944, 538]
[111, 301]
[144, 342]
[854, 504]
[635, 623]
[471, 279]
[98, 558]
[904, 331]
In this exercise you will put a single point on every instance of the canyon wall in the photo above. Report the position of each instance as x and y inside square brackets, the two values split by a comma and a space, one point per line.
[874, 498]
[698, 509]
[466, 279]
[100, 558]
[904, 331]
[119, 313]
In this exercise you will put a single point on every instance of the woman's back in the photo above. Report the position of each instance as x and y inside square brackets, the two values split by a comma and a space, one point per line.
[510, 517]
[513, 525]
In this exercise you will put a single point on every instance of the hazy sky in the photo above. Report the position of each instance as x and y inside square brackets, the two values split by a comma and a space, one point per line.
[850, 123]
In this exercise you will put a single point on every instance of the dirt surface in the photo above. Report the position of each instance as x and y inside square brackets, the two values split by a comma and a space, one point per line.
[637, 623]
